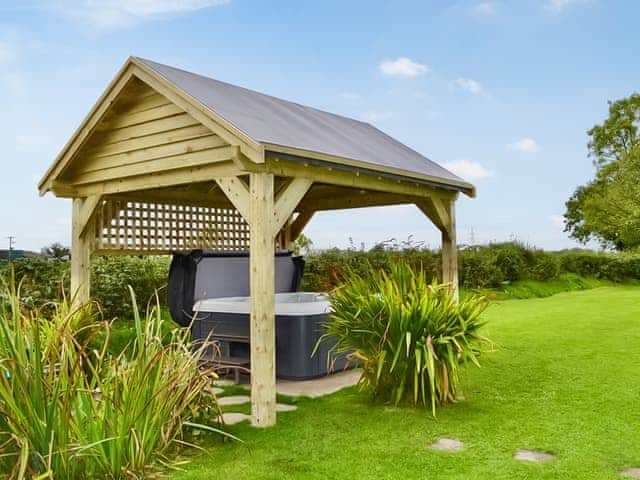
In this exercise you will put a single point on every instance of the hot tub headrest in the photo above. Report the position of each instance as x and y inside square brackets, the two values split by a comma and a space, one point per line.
[212, 274]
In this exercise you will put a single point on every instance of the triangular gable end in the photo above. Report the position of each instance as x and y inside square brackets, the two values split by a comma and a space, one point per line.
[139, 126]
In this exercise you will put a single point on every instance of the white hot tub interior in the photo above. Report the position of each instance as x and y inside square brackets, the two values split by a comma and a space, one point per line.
[297, 303]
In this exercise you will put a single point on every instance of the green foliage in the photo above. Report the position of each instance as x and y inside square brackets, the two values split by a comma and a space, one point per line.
[492, 266]
[43, 280]
[411, 336]
[70, 411]
[111, 275]
[608, 207]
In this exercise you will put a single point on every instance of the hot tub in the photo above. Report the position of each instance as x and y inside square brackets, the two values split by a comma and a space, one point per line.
[299, 326]
[208, 291]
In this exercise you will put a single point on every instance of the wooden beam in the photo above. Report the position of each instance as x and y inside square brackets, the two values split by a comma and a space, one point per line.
[442, 214]
[450, 252]
[262, 280]
[343, 198]
[324, 157]
[170, 178]
[301, 221]
[89, 208]
[352, 179]
[81, 249]
[288, 200]
[238, 194]
[436, 210]
[189, 159]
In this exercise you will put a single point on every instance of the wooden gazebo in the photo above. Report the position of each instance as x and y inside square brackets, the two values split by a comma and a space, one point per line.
[169, 161]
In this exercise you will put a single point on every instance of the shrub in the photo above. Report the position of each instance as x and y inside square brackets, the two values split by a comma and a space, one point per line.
[69, 411]
[544, 266]
[410, 336]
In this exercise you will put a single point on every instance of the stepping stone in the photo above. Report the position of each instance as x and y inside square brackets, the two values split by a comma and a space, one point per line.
[447, 445]
[283, 407]
[631, 473]
[231, 418]
[224, 383]
[533, 456]
[215, 390]
[234, 400]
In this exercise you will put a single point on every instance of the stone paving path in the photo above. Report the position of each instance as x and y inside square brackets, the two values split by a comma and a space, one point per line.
[525, 455]
[447, 445]
[631, 473]
[233, 400]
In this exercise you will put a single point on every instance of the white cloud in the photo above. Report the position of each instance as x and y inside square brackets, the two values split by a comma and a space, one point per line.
[557, 220]
[485, 9]
[525, 145]
[113, 14]
[403, 67]
[559, 6]
[469, 85]
[468, 169]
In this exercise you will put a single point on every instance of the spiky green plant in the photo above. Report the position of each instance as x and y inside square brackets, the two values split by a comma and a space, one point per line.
[410, 335]
[69, 411]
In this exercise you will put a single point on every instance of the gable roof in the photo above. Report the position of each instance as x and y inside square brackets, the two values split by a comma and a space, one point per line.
[274, 122]
[279, 128]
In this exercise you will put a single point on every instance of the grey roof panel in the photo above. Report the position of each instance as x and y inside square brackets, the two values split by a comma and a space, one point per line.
[271, 120]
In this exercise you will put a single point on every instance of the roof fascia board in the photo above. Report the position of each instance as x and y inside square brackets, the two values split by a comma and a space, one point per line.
[347, 165]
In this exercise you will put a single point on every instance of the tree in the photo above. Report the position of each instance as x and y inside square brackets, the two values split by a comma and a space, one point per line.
[607, 208]
[56, 250]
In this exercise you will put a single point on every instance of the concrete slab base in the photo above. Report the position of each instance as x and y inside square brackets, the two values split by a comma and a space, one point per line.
[318, 387]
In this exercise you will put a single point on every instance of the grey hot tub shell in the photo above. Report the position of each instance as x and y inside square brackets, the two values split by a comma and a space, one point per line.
[299, 326]
[208, 291]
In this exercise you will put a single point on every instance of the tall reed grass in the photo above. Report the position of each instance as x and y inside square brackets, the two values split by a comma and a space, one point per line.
[410, 335]
[70, 410]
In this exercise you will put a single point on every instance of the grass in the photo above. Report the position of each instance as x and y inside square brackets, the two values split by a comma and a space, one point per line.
[567, 282]
[565, 379]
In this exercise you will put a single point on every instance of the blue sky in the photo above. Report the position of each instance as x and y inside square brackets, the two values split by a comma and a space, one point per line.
[501, 92]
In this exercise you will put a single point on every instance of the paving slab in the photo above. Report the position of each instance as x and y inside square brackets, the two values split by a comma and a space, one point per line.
[283, 407]
[215, 390]
[234, 400]
[223, 382]
[231, 418]
[447, 445]
[525, 455]
[317, 387]
[631, 473]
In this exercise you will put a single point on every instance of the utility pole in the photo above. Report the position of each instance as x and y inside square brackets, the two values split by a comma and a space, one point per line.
[11, 239]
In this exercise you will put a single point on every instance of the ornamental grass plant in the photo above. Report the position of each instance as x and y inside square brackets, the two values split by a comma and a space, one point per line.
[70, 410]
[411, 336]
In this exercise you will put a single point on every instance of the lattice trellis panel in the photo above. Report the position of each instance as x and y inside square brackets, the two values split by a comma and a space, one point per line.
[138, 228]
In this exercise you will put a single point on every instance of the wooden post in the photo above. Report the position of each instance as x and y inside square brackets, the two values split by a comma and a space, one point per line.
[263, 324]
[81, 246]
[450, 250]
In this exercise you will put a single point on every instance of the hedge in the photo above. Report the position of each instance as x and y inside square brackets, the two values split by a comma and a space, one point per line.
[490, 266]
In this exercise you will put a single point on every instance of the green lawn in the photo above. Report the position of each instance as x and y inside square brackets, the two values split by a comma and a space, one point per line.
[565, 379]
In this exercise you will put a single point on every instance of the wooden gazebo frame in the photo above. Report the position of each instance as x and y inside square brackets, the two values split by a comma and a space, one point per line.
[153, 170]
